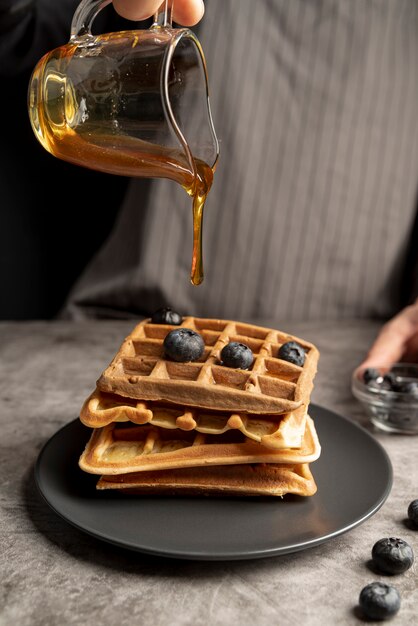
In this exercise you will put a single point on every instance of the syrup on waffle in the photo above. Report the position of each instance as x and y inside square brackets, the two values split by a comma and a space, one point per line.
[112, 450]
[231, 480]
[271, 386]
[275, 431]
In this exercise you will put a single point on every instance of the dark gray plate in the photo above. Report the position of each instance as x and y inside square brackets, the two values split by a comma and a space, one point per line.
[353, 474]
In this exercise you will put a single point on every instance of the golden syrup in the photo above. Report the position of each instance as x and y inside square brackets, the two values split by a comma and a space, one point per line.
[53, 113]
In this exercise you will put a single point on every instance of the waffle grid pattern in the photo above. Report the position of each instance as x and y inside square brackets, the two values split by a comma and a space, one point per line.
[271, 385]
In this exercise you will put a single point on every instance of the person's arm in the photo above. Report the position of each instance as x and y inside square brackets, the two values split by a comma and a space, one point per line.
[397, 340]
[186, 12]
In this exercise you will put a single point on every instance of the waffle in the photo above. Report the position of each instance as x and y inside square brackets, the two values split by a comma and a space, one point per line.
[277, 431]
[232, 480]
[271, 386]
[113, 450]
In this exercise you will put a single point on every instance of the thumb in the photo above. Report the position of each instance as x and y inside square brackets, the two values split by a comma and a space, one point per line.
[392, 342]
[186, 12]
[136, 9]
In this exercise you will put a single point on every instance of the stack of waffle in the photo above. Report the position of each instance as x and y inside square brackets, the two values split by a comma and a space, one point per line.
[163, 427]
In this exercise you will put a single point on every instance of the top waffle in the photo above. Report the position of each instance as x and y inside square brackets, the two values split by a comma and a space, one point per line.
[271, 386]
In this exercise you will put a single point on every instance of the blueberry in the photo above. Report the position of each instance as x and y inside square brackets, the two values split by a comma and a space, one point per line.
[379, 601]
[392, 555]
[410, 387]
[391, 382]
[292, 352]
[413, 511]
[166, 315]
[382, 383]
[375, 385]
[183, 344]
[236, 354]
[370, 374]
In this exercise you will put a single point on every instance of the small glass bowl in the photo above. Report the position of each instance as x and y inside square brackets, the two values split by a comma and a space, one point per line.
[389, 410]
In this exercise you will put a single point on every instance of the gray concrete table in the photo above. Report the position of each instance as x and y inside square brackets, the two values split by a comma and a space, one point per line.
[51, 573]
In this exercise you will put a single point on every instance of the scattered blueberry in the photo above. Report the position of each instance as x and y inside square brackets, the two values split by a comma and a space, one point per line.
[392, 555]
[236, 354]
[369, 374]
[379, 601]
[183, 345]
[292, 352]
[413, 511]
[166, 315]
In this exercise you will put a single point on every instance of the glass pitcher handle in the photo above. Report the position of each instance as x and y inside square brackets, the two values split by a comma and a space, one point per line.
[88, 9]
[164, 16]
[84, 16]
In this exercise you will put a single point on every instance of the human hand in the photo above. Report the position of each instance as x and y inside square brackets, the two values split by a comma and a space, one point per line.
[397, 340]
[186, 12]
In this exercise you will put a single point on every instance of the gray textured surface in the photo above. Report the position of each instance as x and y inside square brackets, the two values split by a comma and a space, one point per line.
[53, 574]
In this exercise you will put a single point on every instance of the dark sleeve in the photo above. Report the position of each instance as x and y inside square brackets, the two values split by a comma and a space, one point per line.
[30, 28]
[409, 277]
[411, 269]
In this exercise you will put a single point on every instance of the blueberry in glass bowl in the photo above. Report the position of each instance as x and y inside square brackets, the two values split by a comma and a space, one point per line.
[389, 396]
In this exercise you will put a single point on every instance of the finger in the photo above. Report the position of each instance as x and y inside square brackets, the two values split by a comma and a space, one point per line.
[388, 348]
[136, 9]
[186, 12]
[411, 353]
[393, 340]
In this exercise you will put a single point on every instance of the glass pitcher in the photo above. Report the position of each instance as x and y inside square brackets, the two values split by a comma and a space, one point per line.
[133, 103]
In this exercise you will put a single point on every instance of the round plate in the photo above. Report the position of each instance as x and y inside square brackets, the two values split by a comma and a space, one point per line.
[353, 475]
